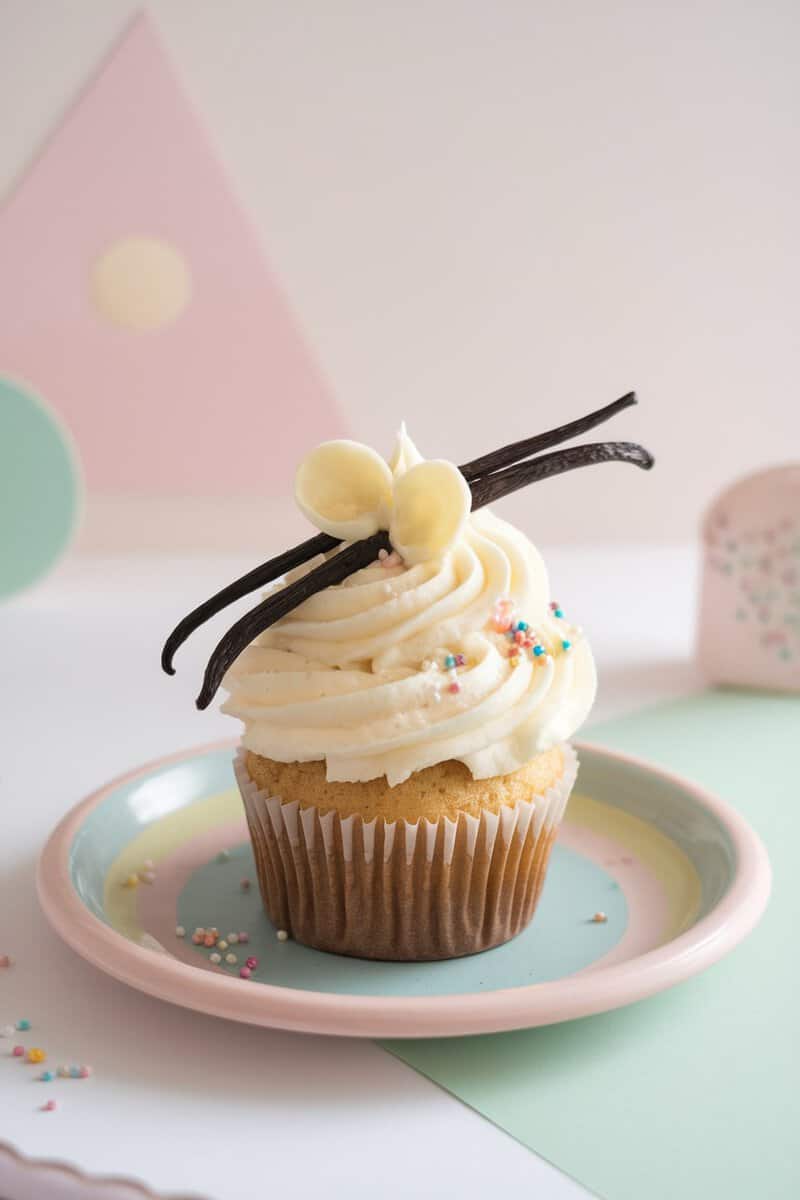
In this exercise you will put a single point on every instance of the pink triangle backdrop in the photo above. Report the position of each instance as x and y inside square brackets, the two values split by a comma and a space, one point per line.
[225, 398]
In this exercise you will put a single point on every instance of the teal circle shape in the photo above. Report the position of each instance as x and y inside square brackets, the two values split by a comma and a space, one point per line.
[40, 487]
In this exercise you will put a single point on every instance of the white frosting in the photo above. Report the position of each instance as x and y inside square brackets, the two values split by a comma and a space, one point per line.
[355, 675]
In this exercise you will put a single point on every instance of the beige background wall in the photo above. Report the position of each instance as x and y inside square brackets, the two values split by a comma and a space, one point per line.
[490, 216]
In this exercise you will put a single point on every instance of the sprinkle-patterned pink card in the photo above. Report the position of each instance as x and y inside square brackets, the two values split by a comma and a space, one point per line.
[137, 301]
[749, 633]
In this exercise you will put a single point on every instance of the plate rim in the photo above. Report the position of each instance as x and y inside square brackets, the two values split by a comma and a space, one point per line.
[447, 1015]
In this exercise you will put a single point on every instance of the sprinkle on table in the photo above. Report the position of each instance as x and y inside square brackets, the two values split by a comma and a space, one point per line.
[282, 935]
[599, 918]
[18, 1051]
[180, 931]
[245, 885]
[23, 1023]
[215, 958]
[49, 1106]
[223, 856]
[7, 1031]
[36, 1055]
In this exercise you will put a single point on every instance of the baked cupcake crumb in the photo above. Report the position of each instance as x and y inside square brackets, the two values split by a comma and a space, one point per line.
[443, 790]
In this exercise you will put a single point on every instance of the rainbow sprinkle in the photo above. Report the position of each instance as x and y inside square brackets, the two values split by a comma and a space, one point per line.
[522, 637]
[451, 664]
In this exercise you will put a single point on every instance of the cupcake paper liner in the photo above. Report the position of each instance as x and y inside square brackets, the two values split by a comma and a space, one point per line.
[400, 890]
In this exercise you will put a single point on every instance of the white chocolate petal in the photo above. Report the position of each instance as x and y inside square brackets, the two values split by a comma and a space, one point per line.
[345, 489]
[405, 453]
[432, 501]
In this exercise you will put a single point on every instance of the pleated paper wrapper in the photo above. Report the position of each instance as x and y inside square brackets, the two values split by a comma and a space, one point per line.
[397, 890]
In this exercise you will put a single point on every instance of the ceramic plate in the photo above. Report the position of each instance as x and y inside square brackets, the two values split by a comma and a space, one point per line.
[680, 877]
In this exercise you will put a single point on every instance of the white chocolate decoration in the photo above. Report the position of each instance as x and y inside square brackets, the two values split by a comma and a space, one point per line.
[457, 655]
[345, 489]
[430, 506]
[348, 491]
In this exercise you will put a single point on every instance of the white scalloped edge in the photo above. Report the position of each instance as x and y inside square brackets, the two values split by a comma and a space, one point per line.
[14, 1165]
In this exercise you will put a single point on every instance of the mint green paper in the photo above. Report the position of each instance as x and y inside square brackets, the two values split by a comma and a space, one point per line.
[693, 1093]
[40, 487]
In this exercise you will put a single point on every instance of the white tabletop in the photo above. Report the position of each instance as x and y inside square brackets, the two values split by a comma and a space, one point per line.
[185, 1102]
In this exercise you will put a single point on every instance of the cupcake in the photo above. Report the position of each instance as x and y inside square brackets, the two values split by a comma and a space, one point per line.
[406, 696]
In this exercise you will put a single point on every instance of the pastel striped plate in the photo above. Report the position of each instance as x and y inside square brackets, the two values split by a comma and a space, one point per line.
[679, 875]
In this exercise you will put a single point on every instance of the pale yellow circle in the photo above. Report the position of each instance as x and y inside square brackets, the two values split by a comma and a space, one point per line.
[141, 283]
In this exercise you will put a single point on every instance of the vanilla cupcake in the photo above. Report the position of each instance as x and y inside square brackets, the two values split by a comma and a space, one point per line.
[404, 763]
[407, 690]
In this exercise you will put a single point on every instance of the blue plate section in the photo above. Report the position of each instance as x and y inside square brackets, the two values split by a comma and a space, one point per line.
[131, 807]
[561, 940]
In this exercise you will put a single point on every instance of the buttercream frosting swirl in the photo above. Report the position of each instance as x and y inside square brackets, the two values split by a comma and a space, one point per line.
[358, 674]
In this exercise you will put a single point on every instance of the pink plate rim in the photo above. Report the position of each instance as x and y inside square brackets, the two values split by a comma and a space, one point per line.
[409, 1016]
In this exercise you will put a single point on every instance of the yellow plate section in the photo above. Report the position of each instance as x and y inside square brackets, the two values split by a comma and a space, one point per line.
[662, 857]
[157, 842]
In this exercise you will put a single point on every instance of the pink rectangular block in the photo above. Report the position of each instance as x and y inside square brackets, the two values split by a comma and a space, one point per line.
[749, 631]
